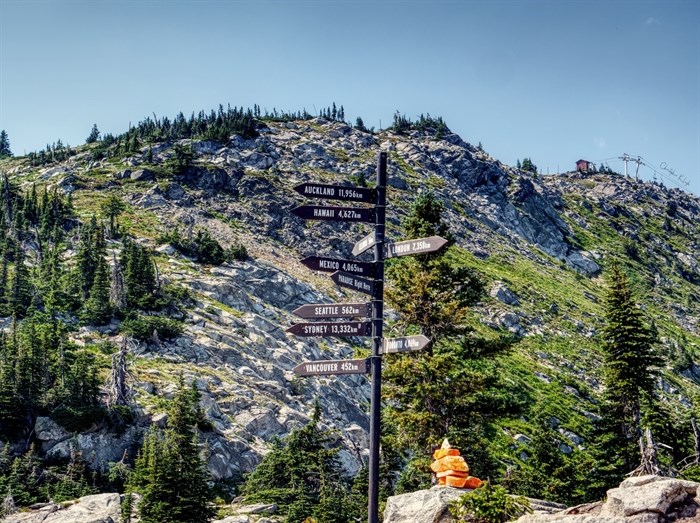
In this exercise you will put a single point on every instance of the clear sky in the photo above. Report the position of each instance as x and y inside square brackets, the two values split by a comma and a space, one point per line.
[551, 80]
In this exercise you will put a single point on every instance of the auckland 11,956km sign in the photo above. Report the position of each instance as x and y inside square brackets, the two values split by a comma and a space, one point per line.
[337, 192]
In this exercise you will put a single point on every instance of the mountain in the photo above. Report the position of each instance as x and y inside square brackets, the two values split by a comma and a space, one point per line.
[542, 244]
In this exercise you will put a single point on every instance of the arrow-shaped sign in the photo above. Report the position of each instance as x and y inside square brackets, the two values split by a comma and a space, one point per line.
[334, 310]
[365, 243]
[417, 246]
[332, 367]
[319, 263]
[404, 344]
[350, 281]
[332, 328]
[337, 192]
[337, 214]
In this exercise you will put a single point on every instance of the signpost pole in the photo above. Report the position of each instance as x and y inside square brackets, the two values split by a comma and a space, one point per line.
[377, 325]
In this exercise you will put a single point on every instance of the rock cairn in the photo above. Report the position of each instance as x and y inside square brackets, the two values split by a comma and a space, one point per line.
[451, 469]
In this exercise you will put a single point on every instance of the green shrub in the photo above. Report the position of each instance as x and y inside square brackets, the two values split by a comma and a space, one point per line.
[202, 246]
[238, 252]
[78, 419]
[142, 328]
[489, 504]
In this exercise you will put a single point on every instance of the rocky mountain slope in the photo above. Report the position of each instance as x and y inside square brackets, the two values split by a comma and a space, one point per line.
[541, 242]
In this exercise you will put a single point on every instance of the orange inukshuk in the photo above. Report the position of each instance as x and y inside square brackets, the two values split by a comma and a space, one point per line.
[451, 469]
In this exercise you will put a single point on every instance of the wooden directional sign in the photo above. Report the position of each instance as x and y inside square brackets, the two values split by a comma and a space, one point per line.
[334, 310]
[404, 344]
[337, 214]
[332, 328]
[319, 263]
[332, 367]
[337, 192]
[417, 246]
[351, 281]
[365, 243]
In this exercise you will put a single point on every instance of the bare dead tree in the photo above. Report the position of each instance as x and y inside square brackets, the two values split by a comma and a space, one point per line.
[8, 504]
[696, 437]
[119, 387]
[649, 451]
[117, 294]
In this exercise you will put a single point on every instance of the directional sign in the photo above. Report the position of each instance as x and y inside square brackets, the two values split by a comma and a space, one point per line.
[319, 263]
[331, 328]
[337, 214]
[417, 246]
[337, 192]
[334, 310]
[332, 367]
[351, 281]
[365, 243]
[404, 344]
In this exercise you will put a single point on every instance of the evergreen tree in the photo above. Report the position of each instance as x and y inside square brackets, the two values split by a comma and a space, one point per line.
[449, 388]
[169, 473]
[111, 209]
[529, 166]
[140, 280]
[20, 291]
[360, 125]
[87, 256]
[98, 310]
[4, 145]
[94, 135]
[302, 475]
[629, 370]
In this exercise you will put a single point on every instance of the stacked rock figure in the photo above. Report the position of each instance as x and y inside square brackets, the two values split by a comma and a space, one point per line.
[451, 469]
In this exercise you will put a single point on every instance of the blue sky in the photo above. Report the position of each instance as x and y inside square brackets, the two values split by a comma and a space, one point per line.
[551, 80]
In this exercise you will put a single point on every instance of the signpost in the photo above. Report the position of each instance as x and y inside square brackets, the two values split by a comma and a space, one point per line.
[353, 282]
[366, 277]
[335, 214]
[404, 344]
[331, 328]
[364, 244]
[417, 246]
[332, 367]
[334, 310]
[337, 192]
[319, 263]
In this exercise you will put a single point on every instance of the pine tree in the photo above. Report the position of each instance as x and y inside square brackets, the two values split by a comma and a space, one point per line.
[433, 294]
[94, 135]
[86, 258]
[10, 416]
[140, 279]
[300, 474]
[111, 209]
[98, 310]
[4, 145]
[20, 291]
[169, 473]
[629, 367]
[529, 166]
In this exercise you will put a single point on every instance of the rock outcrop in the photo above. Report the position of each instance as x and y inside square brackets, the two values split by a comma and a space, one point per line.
[99, 508]
[644, 499]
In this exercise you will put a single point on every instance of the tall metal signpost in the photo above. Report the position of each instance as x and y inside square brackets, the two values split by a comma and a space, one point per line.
[366, 278]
